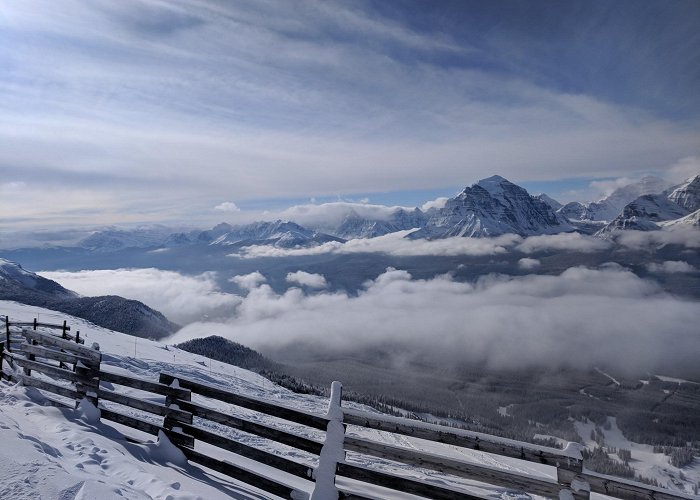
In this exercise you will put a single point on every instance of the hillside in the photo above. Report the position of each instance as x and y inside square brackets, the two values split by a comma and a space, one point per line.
[52, 453]
[110, 311]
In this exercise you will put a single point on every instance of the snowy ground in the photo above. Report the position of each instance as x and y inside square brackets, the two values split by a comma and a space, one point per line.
[52, 453]
[644, 461]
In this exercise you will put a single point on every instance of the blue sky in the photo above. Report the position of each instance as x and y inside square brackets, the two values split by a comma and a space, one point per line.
[143, 111]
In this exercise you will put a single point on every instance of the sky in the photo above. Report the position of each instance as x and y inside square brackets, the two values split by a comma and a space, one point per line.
[129, 111]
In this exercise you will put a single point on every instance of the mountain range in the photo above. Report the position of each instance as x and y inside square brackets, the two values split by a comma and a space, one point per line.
[490, 207]
[653, 211]
[109, 311]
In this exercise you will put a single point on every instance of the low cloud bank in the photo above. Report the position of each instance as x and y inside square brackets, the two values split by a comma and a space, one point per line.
[183, 299]
[578, 319]
[396, 244]
[688, 237]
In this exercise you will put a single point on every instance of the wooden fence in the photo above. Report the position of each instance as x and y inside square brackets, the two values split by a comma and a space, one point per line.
[186, 422]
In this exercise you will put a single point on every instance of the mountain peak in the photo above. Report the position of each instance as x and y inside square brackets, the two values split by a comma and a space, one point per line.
[494, 180]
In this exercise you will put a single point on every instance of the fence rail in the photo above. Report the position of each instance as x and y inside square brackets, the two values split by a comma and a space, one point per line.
[181, 420]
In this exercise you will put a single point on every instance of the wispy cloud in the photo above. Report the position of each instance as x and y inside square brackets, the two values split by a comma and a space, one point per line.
[179, 105]
[671, 266]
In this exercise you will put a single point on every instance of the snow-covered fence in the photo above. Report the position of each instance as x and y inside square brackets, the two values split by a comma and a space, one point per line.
[175, 418]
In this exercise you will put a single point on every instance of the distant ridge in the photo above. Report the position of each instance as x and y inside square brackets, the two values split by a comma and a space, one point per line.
[109, 311]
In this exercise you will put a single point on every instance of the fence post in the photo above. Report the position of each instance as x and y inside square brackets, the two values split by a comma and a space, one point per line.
[35, 323]
[2, 355]
[89, 387]
[574, 485]
[7, 332]
[30, 357]
[333, 448]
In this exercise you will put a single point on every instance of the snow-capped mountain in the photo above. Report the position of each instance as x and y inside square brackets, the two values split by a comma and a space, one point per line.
[283, 234]
[646, 212]
[128, 316]
[611, 206]
[491, 207]
[113, 239]
[692, 219]
[687, 195]
[553, 204]
[356, 226]
[13, 279]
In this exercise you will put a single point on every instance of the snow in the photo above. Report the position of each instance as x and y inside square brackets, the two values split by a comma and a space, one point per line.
[664, 378]
[88, 412]
[644, 461]
[332, 451]
[613, 379]
[52, 453]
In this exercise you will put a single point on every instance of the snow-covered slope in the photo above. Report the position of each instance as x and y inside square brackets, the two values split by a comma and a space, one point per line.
[282, 234]
[648, 211]
[492, 207]
[553, 204]
[687, 195]
[15, 279]
[355, 226]
[608, 208]
[51, 453]
[114, 239]
[129, 316]
[689, 220]
[47, 452]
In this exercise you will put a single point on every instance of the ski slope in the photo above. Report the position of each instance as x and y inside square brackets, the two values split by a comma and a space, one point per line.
[54, 453]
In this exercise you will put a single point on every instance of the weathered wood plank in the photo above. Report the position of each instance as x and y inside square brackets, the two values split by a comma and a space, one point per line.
[404, 484]
[277, 410]
[52, 371]
[276, 461]
[148, 406]
[245, 425]
[146, 385]
[33, 324]
[489, 475]
[629, 490]
[55, 355]
[463, 438]
[246, 476]
[129, 421]
[54, 341]
[47, 386]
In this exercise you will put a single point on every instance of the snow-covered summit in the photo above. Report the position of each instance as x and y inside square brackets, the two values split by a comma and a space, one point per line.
[553, 204]
[687, 195]
[648, 211]
[491, 207]
[16, 279]
[608, 208]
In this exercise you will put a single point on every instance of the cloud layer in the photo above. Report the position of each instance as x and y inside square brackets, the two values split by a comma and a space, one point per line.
[181, 298]
[580, 318]
[142, 111]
